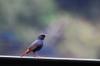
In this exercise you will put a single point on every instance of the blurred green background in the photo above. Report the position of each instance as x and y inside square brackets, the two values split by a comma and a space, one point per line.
[73, 27]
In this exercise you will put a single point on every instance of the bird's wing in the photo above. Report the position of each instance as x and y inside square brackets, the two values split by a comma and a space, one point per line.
[33, 45]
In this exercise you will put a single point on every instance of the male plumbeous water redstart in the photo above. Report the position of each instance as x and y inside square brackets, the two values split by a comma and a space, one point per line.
[35, 45]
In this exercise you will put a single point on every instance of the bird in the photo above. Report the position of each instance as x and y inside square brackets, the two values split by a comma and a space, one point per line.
[35, 46]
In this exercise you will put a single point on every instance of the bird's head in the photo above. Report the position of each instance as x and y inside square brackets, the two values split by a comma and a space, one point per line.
[42, 36]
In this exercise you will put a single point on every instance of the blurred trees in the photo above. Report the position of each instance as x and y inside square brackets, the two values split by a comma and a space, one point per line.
[69, 24]
[23, 18]
[87, 8]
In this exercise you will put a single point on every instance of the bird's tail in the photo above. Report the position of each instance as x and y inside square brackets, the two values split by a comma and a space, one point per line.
[26, 52]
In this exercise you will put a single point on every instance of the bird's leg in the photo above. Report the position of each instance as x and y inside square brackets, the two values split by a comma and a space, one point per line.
[36, 54]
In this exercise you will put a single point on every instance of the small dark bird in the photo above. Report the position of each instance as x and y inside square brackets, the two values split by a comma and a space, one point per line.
[36, 45]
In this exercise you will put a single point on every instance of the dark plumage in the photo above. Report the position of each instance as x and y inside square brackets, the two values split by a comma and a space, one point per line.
[35, 45]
